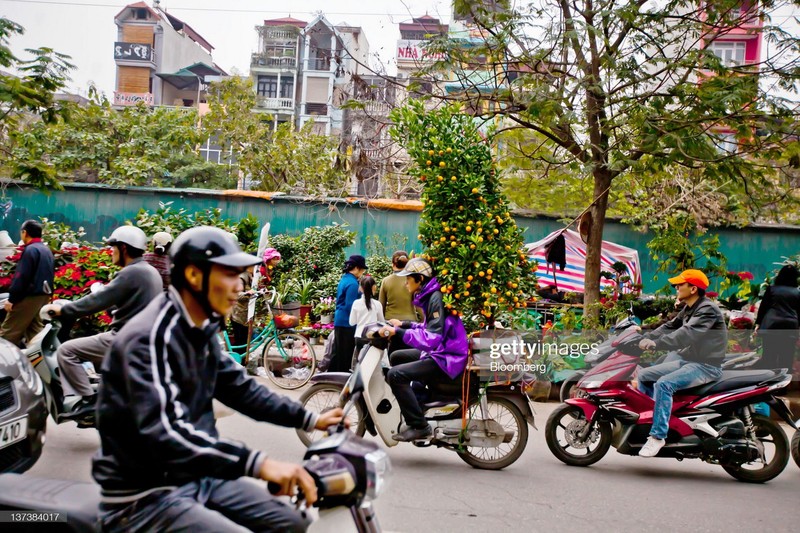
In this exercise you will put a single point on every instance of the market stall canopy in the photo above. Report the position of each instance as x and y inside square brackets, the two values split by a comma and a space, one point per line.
[188, 77]
[571, 278]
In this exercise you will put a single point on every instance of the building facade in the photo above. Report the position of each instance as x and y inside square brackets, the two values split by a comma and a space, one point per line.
[160, 59]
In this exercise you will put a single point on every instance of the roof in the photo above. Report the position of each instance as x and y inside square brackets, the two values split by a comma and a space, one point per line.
[425, 22]
[139, 5]
[187, 77]
[286, 21]
[179, 25]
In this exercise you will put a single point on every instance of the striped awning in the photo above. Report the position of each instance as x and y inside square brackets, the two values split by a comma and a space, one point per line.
[571, 279]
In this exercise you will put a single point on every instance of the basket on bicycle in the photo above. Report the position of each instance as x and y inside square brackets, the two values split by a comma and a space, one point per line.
[285, 321]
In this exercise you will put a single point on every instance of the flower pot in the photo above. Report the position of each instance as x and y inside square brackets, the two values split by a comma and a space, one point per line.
[326, 319]
[304, 310]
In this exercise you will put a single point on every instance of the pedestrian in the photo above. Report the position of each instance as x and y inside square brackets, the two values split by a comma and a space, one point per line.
[396, 300]
[270, 259]
[778, 320]
[31, 286]
[344, 333]
[131, 290]
[366, 310]
[158, 257]
[162, 465]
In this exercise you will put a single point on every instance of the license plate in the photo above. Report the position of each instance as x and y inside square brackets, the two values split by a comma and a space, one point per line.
[13, 431]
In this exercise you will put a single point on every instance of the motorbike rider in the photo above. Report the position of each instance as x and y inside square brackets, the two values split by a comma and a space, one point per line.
[130, 291]
[699, 334]
[162, 465]
[158, 257]
[439, 347]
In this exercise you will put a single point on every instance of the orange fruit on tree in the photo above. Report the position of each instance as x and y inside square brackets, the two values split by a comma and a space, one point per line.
[469, 278]
[429, 162]
[442, 164]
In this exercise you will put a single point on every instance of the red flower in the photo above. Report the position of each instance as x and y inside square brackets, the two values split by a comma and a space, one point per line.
[712, 294]
[76, 276]
[90, 273]
[745, 275]
[101, 264]
[104, 318]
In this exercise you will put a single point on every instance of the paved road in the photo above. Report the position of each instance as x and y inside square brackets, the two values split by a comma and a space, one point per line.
[433, 490]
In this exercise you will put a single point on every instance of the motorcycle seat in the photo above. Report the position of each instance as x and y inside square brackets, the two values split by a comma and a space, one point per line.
[730, 380]
[78, 500]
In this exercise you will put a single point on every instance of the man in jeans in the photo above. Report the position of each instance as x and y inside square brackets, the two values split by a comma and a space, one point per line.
[699, 334]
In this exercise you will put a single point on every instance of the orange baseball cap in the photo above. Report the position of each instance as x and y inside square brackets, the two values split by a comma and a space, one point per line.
[692, 277]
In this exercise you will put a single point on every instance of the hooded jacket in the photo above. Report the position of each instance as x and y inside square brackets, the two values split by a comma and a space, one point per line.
[780, 308]
[154, 410]
[698, 333]
[441, 336]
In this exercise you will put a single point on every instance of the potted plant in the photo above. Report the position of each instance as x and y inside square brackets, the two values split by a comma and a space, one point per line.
[324, 310]
[305, 293]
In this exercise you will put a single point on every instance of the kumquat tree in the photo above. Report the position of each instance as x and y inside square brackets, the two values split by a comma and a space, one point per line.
[466, 228]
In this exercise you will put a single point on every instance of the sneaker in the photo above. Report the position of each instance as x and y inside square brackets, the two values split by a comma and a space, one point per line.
[85, 406]
[651, 447]
[411, 434]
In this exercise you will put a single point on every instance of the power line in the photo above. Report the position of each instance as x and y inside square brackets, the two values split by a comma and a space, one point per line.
[209, 9]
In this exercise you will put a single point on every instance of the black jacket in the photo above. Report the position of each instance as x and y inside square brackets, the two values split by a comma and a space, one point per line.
[698, 333]
[130, 291]
[154, 410]
[780, 308]
[34, 273]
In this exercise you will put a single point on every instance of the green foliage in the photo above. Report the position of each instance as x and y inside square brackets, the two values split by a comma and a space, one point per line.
[317, 255]
[167, 218]
[468, 233]
[55, 234]
[189, 171]
[285, 159]
[379, 261]
[28, 97]
[133, 146]
[679, 245]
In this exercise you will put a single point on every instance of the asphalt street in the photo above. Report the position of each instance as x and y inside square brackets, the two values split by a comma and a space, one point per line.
[433, 490]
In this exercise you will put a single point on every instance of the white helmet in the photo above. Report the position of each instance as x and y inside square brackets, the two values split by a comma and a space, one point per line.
[161, 240]
[130, 236]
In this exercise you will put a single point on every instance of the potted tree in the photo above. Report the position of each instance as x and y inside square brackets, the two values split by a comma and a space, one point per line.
[305, 294]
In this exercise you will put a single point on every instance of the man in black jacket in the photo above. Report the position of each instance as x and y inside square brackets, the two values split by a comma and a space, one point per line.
[30, 288]
[131, 290]
[700, 336]
[162, 466]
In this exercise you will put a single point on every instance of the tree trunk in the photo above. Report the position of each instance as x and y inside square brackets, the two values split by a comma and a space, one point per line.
[602, 180]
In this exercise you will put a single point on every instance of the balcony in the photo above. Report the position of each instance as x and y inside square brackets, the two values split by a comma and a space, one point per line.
[319, 64]
[282, 104]
[279, 35]
[281, 62]
[134, 53]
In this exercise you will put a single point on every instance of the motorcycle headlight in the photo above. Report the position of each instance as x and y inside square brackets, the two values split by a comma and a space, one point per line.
[379, 469]
[29, 376]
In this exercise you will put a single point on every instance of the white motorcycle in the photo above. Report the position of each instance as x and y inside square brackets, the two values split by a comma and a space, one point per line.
[490, 432]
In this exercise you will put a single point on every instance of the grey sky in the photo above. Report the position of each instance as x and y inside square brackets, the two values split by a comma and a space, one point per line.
[85, 29]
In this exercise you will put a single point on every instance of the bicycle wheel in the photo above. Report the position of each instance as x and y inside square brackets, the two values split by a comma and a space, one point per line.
[289, 360]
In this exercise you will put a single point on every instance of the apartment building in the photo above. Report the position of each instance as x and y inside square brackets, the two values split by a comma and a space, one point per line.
[302, 71]
[160, 59]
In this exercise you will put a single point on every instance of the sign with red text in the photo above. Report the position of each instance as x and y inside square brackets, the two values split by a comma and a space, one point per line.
[414, 52]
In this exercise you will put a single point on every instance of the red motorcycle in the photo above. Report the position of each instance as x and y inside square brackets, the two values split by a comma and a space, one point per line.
[714, 422]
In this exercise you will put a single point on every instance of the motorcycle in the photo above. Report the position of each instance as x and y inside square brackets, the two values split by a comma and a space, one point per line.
[489, 432]
[348, 471]
[41, 352]
[607, 348]
[714, 422]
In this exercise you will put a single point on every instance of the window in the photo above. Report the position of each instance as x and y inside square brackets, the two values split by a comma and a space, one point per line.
[287, 88]
[267, 86]
[731, 53]
[141, 14]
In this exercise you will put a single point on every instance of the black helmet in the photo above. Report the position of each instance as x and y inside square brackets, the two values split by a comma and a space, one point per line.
[203, 247]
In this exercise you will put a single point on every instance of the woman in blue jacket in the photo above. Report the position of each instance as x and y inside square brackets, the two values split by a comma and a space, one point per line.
[343, 333]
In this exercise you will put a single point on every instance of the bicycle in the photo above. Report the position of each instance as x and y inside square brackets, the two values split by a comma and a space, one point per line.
[287, 357]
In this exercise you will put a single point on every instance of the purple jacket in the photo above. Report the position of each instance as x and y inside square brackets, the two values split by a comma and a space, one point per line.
[441, 336]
